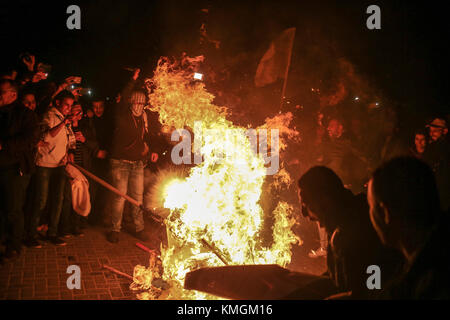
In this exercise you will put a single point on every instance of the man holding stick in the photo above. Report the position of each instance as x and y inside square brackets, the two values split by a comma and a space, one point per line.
[128, 152]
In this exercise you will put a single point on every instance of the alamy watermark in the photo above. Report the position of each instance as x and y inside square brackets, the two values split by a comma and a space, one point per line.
[187, 153]
[74, 280]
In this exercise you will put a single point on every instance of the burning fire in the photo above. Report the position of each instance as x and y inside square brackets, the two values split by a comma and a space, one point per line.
[215, 215]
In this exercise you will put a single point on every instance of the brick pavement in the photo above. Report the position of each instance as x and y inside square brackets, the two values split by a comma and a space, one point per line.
[41, 273]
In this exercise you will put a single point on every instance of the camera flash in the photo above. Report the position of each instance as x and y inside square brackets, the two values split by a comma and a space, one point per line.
[198, 76]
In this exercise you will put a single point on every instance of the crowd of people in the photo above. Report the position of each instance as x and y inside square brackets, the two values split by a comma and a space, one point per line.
[400, 226]
[44, 127]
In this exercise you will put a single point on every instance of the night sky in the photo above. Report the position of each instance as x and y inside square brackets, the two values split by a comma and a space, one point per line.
[408, 59]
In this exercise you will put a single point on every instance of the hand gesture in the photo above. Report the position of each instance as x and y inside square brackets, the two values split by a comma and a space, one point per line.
[38, 76]
[136, 74]
[29, 61]
[146, 150]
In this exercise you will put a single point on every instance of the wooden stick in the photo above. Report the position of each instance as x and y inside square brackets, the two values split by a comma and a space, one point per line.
[283, 91]
[115, 190]
[141, 246]
[118, 272]
[214, 250]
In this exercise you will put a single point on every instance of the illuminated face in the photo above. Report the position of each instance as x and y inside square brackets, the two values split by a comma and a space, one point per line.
[99, 108]
[65, 106]
[375, 210]
[436, 133]
[335, 129]
[137, 101]
[29, 101]
[7, 94]
[420, 142]
[77, 112]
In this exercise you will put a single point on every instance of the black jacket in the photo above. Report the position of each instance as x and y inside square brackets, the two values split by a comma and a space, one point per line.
[128, 135]
[19, 135]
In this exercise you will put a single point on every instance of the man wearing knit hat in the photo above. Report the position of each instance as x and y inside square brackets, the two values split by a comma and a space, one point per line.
[128, 152]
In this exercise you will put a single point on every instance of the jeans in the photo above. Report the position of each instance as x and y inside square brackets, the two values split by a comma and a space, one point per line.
[13, 186]
[70, 221]
[128, 177]
[149, 181]
[53, 179]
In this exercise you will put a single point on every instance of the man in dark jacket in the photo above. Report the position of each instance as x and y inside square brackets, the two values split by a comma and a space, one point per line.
[353, 243]
[19, 134]
[405, 211]
[128, 153]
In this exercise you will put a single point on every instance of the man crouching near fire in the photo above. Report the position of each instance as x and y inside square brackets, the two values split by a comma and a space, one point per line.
[353, 244]
[128, 152]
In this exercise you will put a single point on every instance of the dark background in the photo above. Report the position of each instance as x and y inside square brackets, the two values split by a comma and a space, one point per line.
[408, 59]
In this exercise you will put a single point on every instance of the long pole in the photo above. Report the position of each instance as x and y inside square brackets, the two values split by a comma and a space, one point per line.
[115, 190]
[283, 91]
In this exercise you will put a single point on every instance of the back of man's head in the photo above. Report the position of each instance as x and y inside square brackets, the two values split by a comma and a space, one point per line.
[406, 187]
[319, 180]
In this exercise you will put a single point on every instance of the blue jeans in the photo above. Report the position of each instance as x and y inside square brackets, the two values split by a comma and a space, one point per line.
[53, 180]
[128, 177]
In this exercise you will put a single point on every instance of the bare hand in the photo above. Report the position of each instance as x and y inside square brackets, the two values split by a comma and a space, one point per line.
[90, 113]
[38, 76]
[72, 80]
[146, 149]
[76, 92]
[136, 74]
[29, 64]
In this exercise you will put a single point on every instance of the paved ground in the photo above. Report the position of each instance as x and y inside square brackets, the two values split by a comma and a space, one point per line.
[41, 273]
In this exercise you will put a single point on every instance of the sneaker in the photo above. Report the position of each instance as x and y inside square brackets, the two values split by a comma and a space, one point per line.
[33, 243]
[113, 237]
[141, 235]
[56, 241]
[321, 252]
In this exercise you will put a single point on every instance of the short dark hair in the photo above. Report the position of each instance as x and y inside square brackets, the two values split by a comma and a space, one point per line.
[321, 191]
[407, 187]
[65, 94]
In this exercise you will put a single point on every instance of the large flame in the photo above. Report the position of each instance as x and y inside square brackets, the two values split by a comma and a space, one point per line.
[215, 215]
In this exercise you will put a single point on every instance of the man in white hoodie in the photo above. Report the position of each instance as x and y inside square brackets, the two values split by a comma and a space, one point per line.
[52, 157]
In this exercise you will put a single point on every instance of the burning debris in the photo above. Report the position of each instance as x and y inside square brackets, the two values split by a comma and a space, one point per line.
[215, 213]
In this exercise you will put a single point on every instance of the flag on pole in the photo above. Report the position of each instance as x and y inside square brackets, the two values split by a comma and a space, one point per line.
[275, 61]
